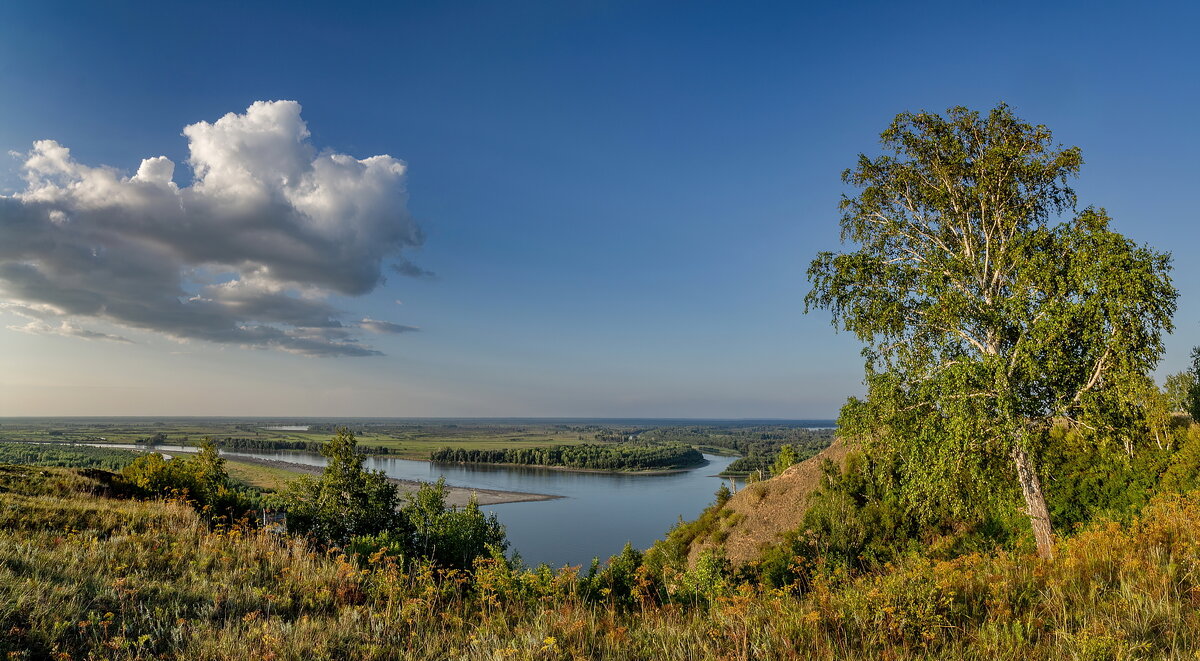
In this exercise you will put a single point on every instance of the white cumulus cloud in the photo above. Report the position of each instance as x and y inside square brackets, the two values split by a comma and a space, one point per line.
[247, 254]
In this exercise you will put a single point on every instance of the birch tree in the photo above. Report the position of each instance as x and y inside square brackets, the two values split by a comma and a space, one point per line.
[989, 306]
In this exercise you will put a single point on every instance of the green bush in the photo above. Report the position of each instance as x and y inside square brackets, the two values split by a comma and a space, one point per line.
[449, 536]
[201, 480]
[359, 509]
[346, 501]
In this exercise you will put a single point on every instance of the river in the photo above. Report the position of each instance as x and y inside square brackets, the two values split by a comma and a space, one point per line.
[596, 515]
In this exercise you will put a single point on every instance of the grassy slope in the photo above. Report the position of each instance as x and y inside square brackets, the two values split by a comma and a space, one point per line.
[86, 576]
[759, 513]
[268, 478]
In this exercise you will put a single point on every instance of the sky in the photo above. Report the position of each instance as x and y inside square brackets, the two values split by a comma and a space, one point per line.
[558, 209]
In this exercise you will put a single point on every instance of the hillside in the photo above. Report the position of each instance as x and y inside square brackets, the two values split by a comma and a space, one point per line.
[85, 573]
[756, 515]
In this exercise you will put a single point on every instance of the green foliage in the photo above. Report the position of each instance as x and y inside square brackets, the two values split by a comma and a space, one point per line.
[200, 479]
[346, 501]
[1094, 478]
[1193, 399]
[241, 443]
[449, 536]
[625, 456]
[352, 507]
[983, 318]
[1179, 388]
[155, 439]
[77, 456]
[787, 457]
[1182, 471]
[708, 580]
[620, 584]
[723, 494]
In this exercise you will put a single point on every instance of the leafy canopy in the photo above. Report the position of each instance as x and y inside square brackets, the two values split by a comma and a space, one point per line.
[985, 315]
[347, 500]
[201, 479]
[353, 507]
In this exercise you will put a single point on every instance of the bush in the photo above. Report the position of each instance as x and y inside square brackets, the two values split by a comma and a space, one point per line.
[346, 501]
[201, 480]
[449, 536]
[359, 509]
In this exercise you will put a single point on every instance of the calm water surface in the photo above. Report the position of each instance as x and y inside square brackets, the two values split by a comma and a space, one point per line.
[597, 514]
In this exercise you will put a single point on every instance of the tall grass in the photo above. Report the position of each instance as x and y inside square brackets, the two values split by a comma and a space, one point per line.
[83, 575]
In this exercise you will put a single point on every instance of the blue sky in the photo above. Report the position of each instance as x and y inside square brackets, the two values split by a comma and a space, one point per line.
[619, 199]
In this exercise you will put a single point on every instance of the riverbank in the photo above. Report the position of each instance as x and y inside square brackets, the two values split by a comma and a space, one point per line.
[457, 496]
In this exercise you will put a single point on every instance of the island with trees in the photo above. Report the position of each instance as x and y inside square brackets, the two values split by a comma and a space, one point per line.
[587, 456]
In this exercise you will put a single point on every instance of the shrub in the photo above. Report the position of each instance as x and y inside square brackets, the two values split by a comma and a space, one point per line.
[449, 536]
[346, 501]
[352, 507]
[201, 480]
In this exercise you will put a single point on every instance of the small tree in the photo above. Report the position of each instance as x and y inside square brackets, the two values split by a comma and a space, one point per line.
[447, 535]
[1193, 399]
[201, 479]
[346, 501]
[787, 457]
[984, 319]
[353, 507]
[1179, 388]
[723, 494]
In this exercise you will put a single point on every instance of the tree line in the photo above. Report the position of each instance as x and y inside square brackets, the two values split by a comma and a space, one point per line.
[78, 456]
[587, 455]
[759, 445]
[231, 443]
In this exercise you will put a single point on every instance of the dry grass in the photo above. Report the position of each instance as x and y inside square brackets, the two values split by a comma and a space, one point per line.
[268, 478]
[765, 510]
[85, 576]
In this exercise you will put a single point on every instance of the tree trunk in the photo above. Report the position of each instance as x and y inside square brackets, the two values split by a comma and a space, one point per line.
[1035, 502]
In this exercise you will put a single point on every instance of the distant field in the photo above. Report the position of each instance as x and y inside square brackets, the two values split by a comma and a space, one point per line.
[411, 441]
[418, 444]
[758, 441]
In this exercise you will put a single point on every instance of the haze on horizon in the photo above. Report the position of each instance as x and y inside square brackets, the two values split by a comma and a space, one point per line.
[536, 209]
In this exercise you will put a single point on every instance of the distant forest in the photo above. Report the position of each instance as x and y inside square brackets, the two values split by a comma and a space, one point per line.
[589, 455]
[759, 445]
[78, 456]
[230, 443]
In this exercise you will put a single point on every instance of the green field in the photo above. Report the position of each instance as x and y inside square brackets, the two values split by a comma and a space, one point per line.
[413, 440]
[267, 478]
[418, 438]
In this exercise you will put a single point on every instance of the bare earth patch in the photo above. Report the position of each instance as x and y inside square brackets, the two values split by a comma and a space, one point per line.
[760, 512]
